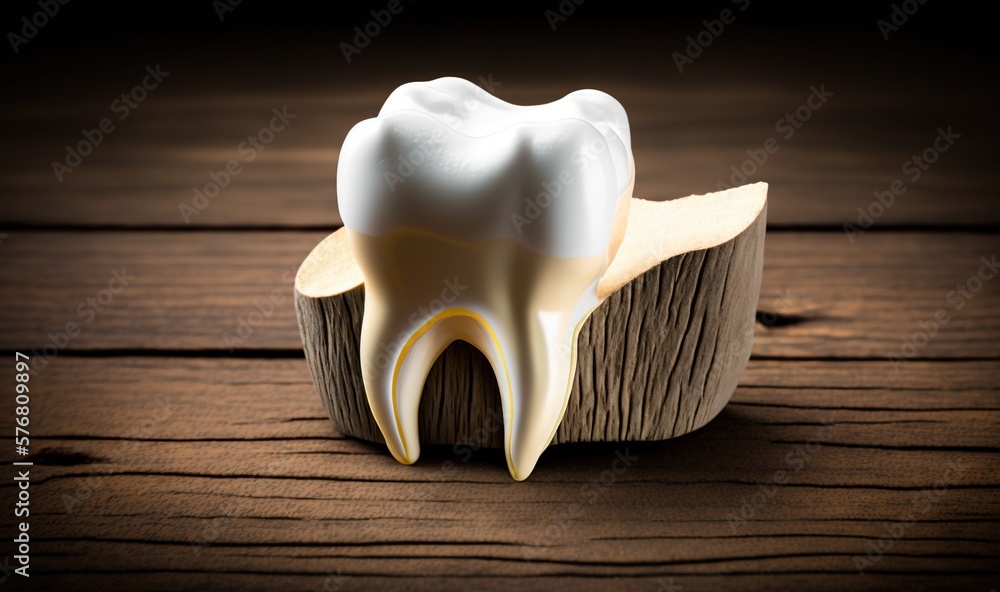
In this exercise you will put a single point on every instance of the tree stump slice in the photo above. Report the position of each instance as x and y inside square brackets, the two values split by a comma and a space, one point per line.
[660, 357]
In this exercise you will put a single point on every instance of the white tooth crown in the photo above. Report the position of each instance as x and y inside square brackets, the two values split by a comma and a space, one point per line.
[479, 220]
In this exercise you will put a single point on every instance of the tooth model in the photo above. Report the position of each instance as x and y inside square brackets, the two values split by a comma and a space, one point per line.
[513, 229]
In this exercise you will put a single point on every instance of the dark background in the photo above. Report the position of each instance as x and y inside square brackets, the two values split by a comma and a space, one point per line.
[938, 69]
[955, 26]
[248, 457]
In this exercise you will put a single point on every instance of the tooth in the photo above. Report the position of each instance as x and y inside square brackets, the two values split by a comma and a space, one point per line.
[473, 219]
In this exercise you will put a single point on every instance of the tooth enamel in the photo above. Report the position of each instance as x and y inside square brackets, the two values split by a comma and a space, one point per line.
[473, 219]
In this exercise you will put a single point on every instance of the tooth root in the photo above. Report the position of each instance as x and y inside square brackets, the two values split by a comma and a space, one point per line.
[393, 401]
[541, 369]
[399, 357]
[522, 310]
[403, 354]
[534, 371]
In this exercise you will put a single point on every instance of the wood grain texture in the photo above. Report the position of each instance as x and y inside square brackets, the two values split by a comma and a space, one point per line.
[820, 296]
[659, 358]
[240, 482]
[176, 467]
[688, 128]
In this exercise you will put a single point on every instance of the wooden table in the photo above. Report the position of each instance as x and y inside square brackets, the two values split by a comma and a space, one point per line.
[178, 441]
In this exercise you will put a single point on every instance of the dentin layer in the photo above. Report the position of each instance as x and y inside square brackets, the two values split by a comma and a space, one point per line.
[493, 228]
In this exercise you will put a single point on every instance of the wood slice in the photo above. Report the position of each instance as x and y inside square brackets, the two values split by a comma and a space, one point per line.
[660, 357]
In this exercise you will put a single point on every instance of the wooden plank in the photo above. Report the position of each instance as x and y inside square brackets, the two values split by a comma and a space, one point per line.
[197, 471]
[688, 128]
[821, 296]
[225, 471]
[268, 581]
[227, 399]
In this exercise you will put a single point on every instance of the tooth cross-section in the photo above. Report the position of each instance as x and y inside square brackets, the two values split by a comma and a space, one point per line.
[473, 219]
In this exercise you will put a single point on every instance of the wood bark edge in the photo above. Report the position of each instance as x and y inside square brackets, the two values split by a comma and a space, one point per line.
[660, 357]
